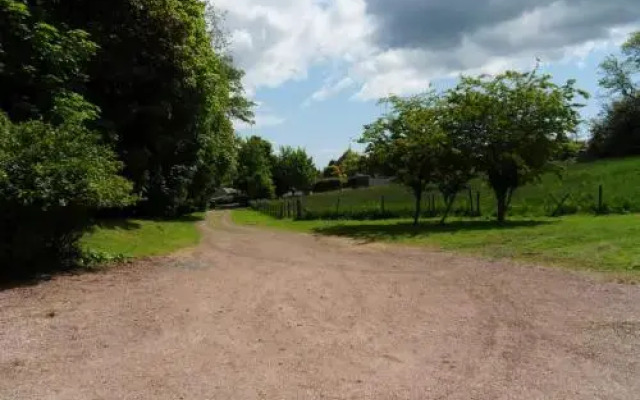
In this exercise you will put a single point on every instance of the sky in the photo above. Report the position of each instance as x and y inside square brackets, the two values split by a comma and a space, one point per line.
[316, 68]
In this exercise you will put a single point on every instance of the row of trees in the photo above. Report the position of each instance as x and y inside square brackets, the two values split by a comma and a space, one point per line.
[262, 174]
[108, 104]
[507, 129]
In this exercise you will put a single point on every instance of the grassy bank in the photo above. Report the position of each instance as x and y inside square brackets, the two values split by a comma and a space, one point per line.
[604, 243]
[142, 238]
[578, 184]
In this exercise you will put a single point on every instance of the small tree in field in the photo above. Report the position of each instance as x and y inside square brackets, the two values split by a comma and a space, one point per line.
[515, 123]
[405, 142]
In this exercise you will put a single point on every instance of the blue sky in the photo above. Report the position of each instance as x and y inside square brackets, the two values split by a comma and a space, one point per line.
[316, 68]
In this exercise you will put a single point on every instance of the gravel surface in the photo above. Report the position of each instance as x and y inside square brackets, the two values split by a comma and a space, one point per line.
[256, 314]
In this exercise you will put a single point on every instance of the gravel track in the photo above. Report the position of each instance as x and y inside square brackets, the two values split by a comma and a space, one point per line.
[258, 314]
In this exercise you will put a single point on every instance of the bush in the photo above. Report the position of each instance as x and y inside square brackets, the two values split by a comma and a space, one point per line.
[617, 132]
[327, 185]
[52, 177]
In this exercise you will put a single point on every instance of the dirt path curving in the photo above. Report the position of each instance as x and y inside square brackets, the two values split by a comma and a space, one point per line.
[253, 314]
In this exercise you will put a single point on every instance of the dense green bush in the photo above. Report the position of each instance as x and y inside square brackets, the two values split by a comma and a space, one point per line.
[617, 132]
[51, 178]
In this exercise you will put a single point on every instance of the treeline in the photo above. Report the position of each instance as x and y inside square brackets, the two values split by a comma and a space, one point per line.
[263, 174]
[122, 105]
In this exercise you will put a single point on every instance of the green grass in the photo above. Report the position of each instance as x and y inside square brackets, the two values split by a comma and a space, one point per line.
[603, 243]
[141, 238]
[620, 179]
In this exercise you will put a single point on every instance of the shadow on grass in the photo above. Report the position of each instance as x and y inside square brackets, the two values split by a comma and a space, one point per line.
[382, 232]
[123, 224]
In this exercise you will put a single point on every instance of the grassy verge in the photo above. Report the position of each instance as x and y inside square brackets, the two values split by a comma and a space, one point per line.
[605, 243]
[141, 238]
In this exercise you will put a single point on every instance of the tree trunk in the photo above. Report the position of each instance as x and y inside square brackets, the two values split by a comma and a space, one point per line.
[449, 203]
[418, 195]
[501, 198]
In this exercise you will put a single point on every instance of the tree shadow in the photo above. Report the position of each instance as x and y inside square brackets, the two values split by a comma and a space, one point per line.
[112, 224]
[382, 232]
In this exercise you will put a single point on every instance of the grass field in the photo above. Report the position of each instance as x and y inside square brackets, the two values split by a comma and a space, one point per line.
[602, 243]
[620, 179]
[141, 238]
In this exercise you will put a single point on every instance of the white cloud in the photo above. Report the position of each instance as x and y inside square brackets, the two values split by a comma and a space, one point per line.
[385, 46]
[279, 40]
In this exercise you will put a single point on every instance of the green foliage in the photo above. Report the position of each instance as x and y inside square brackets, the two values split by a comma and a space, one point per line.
[420, 143]
[166, 95]
[516, 124]
[616, 133]
[51, 177]
[38, 61]
[255, 163]
[293, 170]
[404, 142]
[619, 75]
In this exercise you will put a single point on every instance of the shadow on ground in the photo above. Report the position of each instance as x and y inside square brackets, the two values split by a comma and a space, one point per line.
[382, 232]
[122, 224]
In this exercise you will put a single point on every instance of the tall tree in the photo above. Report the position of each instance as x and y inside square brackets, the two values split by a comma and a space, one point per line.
[166, 95]
[293, 170]
[516, 123]
[255, 164]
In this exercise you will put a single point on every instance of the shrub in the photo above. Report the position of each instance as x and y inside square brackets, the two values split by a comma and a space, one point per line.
[327, 185]
[617, 132]
[52, 177]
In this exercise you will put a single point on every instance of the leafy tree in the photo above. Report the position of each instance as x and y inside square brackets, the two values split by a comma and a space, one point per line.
[616, 133]
[454, 157]
[166, 94]
[255, 163]
[515, 123]
[52, 176]
[403, 143]
[293, 170]
[620, 74]
[332, 171]
[38, 61]
[350, 163]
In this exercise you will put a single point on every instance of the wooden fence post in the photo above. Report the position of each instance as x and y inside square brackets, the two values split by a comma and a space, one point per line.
[470, 202]
[478, 213]
[299, 208]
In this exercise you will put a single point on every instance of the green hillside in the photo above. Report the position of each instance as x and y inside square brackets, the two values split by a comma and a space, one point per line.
[620, 180]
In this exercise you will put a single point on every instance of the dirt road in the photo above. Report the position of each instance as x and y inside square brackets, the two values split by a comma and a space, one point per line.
[254, 314]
